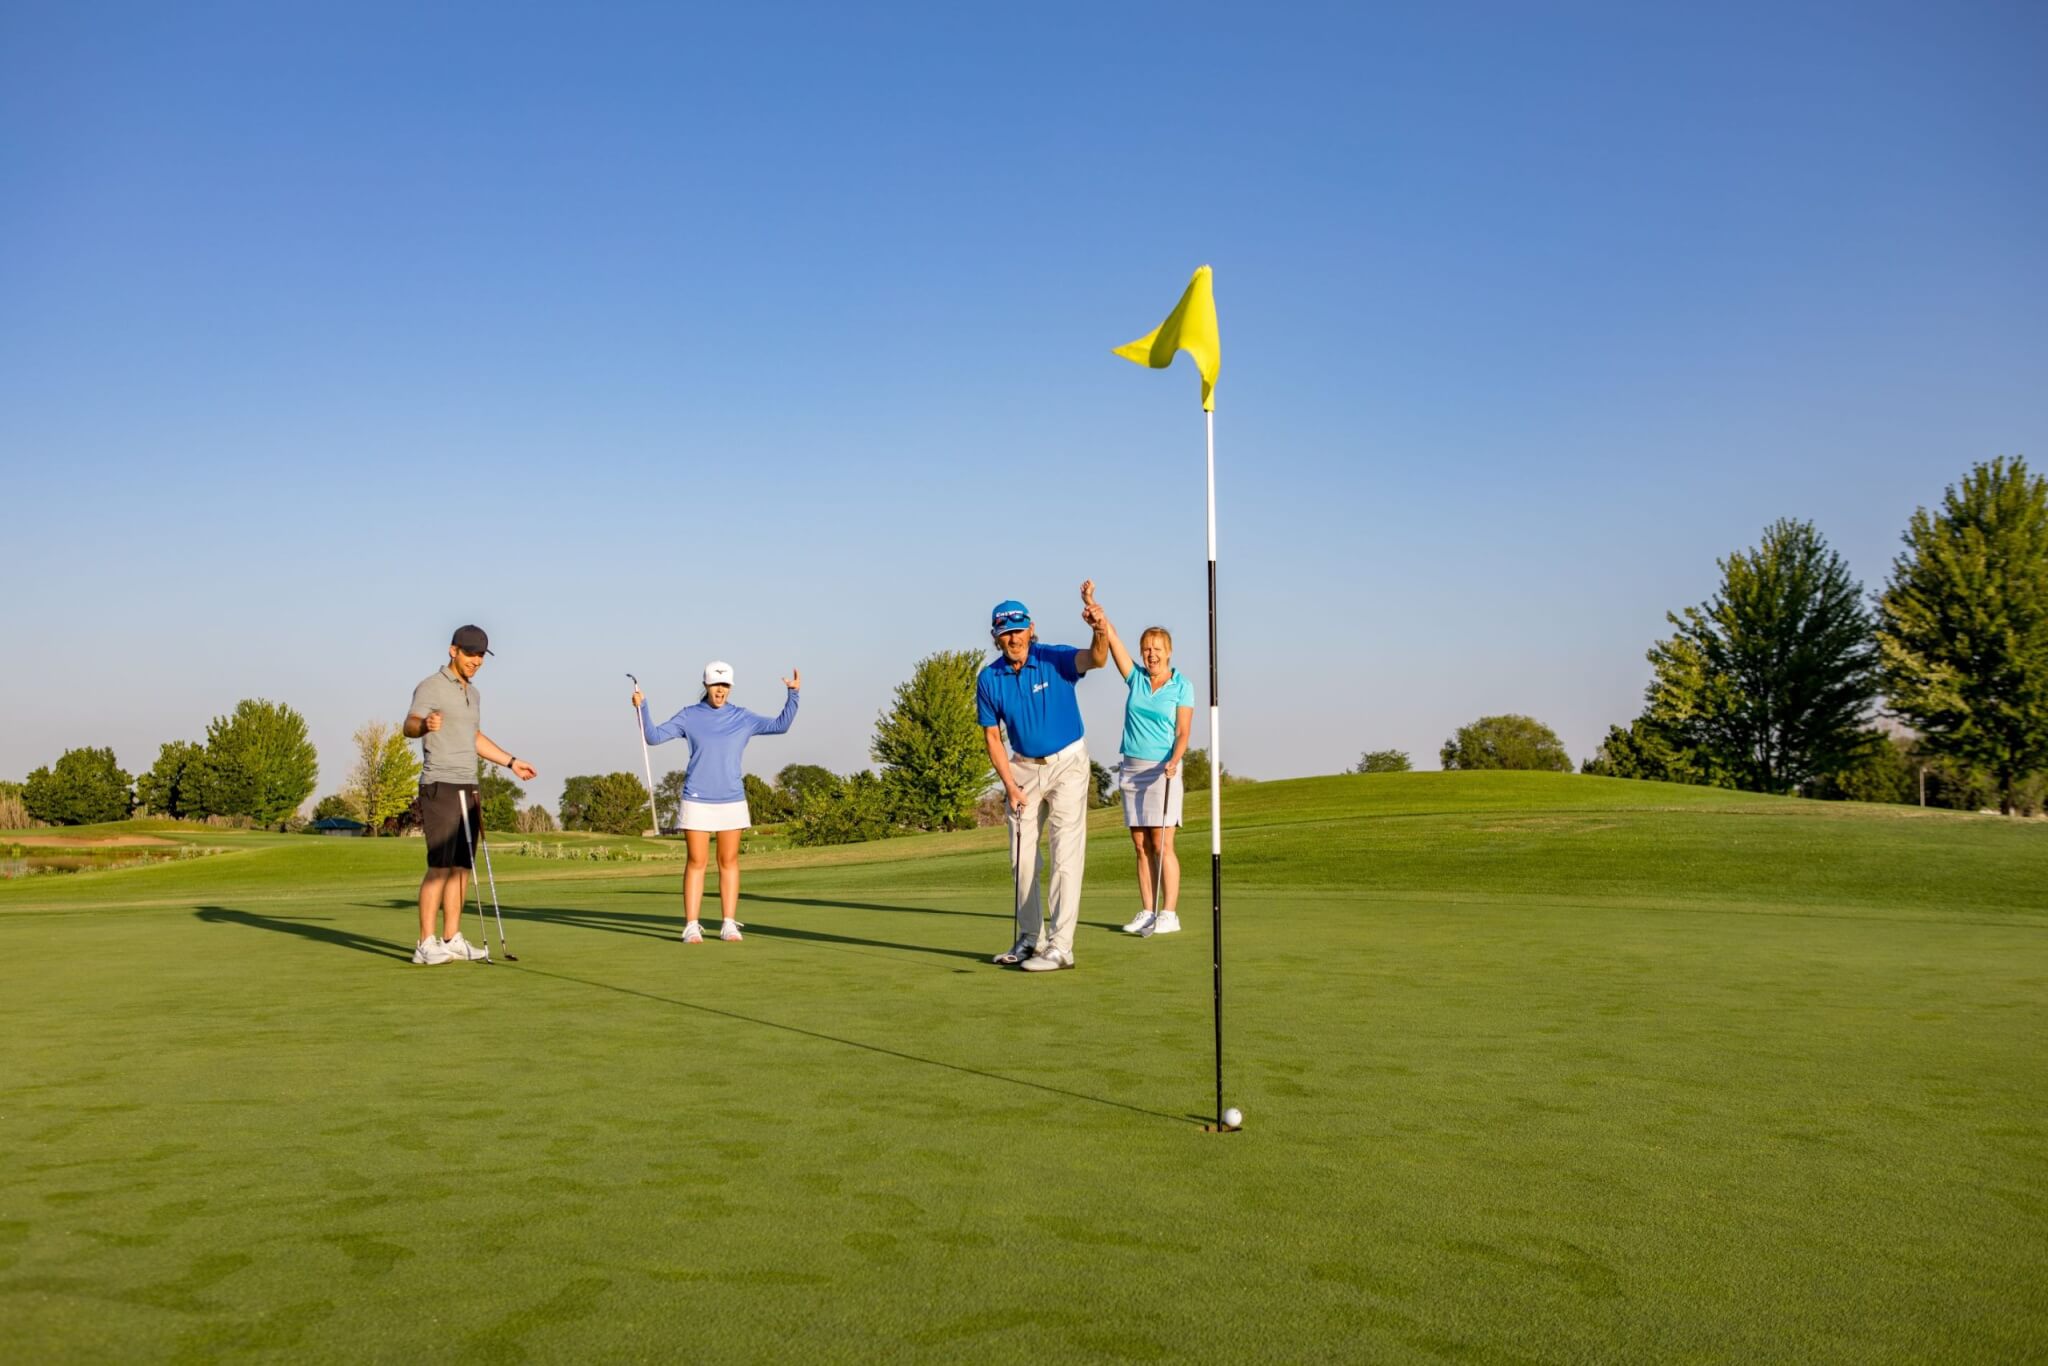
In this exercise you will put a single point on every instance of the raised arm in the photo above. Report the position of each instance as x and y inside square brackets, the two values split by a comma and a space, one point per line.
[764, 726]
[1097, 653]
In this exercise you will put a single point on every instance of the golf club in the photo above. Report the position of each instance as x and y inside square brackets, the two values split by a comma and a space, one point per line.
[646, 764]
[483, 927]
[484, 838]
[1159, 868]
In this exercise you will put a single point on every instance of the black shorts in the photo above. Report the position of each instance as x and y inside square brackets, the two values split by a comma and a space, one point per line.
[441, 820]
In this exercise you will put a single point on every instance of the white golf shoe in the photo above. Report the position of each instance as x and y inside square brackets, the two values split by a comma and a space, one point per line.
[693, 933]
[462, 951]
[1169, 923]
[1020, 951]
[1137, 926]
[431, 950]
[1049, 959]
[730, 931]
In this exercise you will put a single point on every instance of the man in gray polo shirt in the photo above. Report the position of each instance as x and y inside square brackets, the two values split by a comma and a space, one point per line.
[443, 718]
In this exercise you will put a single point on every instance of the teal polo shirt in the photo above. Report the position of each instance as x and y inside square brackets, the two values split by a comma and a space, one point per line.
[1036, 703]
[1151, 718]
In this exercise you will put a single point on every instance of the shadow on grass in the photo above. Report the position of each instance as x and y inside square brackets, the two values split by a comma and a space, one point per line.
[304, 929]
[855, 1043]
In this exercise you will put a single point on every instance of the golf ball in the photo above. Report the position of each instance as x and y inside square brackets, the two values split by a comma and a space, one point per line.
[1234, 1117]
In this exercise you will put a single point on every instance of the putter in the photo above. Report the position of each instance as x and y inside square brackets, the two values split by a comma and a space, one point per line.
[484, 838]
[483, 926]
[646, 764]
[1159, 868]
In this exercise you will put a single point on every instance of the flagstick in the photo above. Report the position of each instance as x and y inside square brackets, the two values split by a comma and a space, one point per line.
[1215, 782]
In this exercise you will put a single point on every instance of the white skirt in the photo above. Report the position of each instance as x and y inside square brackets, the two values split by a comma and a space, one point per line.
[715, 816]
[1150, 797]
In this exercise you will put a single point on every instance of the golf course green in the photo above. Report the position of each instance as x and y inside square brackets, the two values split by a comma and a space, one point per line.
[1534, 1068]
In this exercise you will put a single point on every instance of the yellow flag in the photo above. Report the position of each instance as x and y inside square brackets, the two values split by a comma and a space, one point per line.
[1191, 327]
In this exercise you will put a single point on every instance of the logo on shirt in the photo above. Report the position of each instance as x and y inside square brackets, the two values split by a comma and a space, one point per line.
[1040, 687]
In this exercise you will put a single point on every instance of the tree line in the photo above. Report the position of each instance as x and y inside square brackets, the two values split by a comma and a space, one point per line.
[1779, 682]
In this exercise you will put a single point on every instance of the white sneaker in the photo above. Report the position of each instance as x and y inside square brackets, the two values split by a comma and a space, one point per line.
[693, 933]
[1137, 926]
[730, 931]
[1049, 959]
[432, 950]
[1024, 948]
[462, 951]
[1169, 923]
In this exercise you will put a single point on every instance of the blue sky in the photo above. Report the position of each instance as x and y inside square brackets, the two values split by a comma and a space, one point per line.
[782, 334]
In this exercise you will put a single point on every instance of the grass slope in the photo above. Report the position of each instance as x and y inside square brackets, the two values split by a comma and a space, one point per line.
[1536, 1068]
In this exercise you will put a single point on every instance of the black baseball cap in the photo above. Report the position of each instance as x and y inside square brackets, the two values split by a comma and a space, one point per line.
[471, 640]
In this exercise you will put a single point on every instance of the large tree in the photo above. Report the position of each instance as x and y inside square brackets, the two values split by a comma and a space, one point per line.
[386, 776]
[83, 787]
[259, 762]
[668, 798]
[613, 803]
[929, 744]
[174, 785]
[1509, 741]
[1772, 678]
[1963, 625]
[499, 797]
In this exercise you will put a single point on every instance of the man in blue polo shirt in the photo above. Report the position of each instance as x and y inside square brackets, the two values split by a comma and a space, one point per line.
[1029, 691]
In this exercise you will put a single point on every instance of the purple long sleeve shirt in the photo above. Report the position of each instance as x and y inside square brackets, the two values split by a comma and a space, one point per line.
[718, 741]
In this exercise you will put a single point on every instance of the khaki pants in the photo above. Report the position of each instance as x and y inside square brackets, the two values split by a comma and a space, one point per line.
[1056, 796]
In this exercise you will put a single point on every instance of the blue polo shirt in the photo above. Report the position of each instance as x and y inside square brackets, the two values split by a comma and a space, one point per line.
[1036, 703]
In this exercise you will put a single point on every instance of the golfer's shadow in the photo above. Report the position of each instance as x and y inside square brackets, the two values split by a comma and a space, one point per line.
[304, 929]
[823, 904]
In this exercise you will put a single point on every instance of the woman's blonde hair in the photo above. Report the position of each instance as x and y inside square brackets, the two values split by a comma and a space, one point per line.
[1161, 632]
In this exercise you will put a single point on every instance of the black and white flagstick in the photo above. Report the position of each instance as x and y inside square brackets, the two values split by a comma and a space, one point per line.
[1215, 786]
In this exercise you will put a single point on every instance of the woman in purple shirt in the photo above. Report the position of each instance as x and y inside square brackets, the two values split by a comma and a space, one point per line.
[714, 793]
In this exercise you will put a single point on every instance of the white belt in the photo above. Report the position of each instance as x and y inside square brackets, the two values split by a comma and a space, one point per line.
[1051, 758]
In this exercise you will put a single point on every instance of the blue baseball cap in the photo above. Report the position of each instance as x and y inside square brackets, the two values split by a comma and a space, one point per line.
[1009, 615]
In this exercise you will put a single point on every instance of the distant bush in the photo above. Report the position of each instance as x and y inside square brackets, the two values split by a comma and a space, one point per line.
[1383, 761]
[1509, 741]
[854, 810]
[334, 807]
[535, 819]
[13, 815]
[83, 787]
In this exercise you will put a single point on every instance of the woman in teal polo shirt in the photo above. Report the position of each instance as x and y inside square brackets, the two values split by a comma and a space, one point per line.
[1159, 711]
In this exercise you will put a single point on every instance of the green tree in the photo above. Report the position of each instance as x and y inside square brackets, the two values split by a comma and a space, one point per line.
[854, 810]
[499, 796]
[611, 803]
[1383, 761]
[173, 786]
[668, 798]
[930, 746]
[259, 762]
[1645, 750]
[1773, 677]
[1101, 785]
[335, 806]
[1963, 625]
[764, 803]
[797, 782]
[1194, 767]
[386, 776]
[1510, 741]
[1883, 772]
[84, 787]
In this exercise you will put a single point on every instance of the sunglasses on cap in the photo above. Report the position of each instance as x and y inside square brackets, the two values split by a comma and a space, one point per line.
[1009, 620]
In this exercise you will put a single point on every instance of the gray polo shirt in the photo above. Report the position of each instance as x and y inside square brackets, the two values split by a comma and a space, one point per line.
[448, 754]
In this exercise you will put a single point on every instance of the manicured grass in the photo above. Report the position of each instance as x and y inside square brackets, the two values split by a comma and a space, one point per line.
[1535, 1068]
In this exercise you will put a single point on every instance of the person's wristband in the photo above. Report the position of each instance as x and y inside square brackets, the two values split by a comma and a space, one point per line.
[512, 761]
